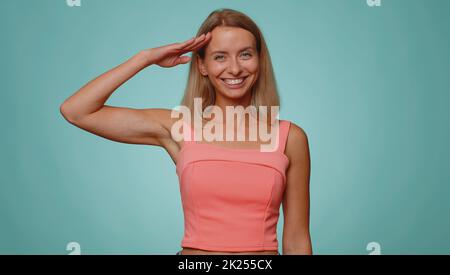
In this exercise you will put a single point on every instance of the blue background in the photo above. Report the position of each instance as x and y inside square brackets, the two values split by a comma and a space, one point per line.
[369, 85]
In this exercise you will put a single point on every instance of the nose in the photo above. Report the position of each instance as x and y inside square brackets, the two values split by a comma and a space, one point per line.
[235, 67]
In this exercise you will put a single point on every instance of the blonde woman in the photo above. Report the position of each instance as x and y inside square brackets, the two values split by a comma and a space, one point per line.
[231, 190]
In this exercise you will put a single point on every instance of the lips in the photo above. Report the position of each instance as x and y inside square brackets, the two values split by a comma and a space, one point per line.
[234, 83]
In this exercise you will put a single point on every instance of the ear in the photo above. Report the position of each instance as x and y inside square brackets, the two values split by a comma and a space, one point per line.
[201, 66]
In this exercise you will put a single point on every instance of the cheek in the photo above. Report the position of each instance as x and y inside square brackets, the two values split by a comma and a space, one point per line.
[257, 65]
[216, 69]
[252, 66]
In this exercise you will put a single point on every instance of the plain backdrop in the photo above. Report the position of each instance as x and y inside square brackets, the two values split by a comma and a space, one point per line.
[369, 86]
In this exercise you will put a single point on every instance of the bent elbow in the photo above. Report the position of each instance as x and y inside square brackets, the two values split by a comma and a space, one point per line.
[66, 113]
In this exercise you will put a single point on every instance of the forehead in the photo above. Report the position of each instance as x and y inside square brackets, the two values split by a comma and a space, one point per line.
[230, 39]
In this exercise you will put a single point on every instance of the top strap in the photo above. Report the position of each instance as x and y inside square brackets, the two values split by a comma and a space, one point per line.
[284, 126]
[284, 132]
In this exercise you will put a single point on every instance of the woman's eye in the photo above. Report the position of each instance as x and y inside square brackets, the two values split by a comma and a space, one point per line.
[221, 57]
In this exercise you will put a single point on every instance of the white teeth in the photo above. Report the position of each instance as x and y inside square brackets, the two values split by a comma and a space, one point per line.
[234, 81]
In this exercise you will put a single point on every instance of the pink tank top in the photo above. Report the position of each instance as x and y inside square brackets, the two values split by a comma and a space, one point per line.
[231, 197]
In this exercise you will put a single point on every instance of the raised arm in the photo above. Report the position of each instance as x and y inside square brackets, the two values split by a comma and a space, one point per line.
[86, 108]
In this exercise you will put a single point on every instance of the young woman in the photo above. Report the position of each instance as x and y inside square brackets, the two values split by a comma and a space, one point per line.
[231, 190]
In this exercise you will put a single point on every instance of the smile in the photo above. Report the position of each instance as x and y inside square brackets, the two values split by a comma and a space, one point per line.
[234, 83]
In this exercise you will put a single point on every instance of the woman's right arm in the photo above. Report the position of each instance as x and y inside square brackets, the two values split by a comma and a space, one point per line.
[86, 108]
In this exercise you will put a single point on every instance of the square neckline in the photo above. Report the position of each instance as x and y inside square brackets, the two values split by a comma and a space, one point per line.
[243, 150]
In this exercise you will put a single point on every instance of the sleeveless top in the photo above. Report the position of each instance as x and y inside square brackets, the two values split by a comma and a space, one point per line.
[231, 197]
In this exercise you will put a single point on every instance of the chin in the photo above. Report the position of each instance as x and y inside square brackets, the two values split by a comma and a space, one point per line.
[234, 94]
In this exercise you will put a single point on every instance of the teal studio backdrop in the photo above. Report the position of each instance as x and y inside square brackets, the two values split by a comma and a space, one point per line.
[368, 84]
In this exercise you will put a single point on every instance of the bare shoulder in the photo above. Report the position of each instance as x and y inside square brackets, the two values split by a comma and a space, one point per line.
[165, 118]
[297, 142]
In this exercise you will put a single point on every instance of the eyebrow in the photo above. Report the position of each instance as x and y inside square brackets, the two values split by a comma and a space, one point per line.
[246, 48]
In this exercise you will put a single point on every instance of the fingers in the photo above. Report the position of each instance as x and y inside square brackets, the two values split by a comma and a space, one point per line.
[192, 44]
[183, 59]
[195, 43]
[185, 44]
[200, 43]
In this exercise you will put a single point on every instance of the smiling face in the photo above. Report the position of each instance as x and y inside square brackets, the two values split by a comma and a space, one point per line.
[231, 62]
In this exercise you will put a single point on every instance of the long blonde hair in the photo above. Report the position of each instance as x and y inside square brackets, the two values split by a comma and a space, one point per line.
[264, 91]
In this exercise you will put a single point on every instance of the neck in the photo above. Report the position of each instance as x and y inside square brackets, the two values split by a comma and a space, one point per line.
[223, 102]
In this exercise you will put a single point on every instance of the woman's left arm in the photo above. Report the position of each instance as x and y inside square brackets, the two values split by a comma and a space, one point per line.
[296, 236]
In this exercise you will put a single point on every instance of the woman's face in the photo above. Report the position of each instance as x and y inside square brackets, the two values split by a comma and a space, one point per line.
[231, 61]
